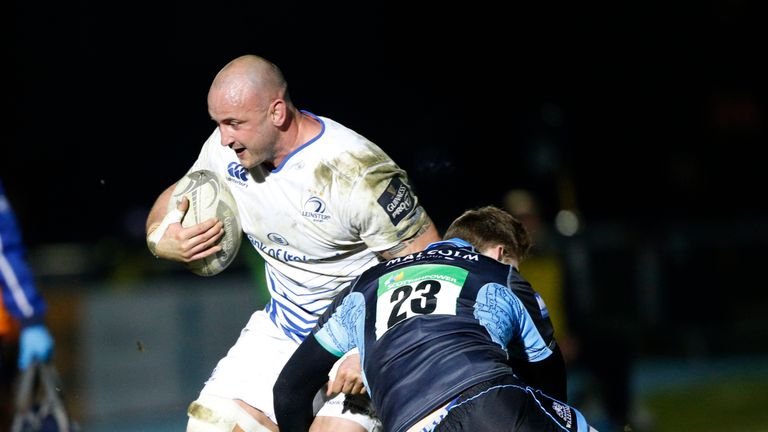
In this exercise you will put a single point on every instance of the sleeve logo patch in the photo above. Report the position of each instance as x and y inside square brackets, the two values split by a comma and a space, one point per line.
[396, 200]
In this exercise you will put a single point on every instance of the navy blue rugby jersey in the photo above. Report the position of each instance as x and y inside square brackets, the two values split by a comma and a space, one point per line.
[431, 324]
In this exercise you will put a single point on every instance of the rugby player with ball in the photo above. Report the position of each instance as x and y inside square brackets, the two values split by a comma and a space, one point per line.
[319, 202]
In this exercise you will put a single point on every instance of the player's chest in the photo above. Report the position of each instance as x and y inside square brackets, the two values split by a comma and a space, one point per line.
[292, 212]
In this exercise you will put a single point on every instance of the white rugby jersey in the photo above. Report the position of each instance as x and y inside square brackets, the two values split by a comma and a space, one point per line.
[317, 218]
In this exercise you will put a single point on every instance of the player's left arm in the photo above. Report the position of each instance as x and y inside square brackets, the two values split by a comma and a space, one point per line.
[424, 236]
[166, 238]
[548, 375]
[386, 213]
[544, 372]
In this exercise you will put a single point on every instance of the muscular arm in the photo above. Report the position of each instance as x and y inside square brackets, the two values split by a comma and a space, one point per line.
[299, 381]
[426, 235]
[159, 209]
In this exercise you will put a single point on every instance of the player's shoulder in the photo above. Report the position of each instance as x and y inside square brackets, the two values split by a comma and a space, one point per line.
[345, 148]
[482, 269]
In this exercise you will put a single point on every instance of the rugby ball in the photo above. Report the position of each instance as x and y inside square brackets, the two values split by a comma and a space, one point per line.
[209, 196]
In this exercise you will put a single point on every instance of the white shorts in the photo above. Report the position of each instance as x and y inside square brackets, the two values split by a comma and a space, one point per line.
[249, 371]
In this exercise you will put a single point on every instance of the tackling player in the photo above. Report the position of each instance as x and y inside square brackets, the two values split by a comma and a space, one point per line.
[440, 333]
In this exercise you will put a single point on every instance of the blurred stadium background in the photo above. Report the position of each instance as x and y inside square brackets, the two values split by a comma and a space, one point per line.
[635, 127]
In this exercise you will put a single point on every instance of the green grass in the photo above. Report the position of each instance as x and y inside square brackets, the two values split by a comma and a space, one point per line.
[737, 405]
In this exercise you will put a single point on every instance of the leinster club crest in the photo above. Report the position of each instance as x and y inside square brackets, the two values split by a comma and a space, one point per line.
[315, 210]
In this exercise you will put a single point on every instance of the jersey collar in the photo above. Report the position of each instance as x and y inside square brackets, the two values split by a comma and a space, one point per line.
[454, 242]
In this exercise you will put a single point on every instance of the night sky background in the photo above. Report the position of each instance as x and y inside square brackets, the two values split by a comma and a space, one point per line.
[651, 113]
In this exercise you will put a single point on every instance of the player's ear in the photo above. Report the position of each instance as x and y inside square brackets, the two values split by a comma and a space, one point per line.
[496, 252]
[277, 112]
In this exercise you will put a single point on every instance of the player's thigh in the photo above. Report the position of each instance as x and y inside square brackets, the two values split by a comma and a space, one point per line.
[344, 413]
[335, 424]
[251, 367]
[219, 414]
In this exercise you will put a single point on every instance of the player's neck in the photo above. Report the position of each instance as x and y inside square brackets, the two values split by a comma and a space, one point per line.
[301, 130]
[307, 128]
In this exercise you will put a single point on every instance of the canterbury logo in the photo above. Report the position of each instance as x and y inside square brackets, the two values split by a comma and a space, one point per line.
[237, 171]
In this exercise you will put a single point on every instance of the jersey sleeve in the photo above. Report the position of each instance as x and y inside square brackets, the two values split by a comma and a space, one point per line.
[335, 329]
[19, 293]
[299, 380]
[509, 323]
[533, 304]
[335, 303]
[527, 343]
[543, 368]
[384, 207]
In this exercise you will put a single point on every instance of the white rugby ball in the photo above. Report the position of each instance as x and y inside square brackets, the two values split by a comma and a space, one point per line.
[209, 196]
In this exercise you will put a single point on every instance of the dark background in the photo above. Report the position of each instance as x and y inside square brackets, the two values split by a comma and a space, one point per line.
[653, 112]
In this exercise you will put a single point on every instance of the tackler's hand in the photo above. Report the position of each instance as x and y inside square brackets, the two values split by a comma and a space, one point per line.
[170, 240]
[346, 376]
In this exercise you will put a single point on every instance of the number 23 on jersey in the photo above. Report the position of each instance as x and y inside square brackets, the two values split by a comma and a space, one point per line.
[417, 290]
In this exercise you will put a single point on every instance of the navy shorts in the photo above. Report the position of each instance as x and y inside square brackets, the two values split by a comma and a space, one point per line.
[507, 404]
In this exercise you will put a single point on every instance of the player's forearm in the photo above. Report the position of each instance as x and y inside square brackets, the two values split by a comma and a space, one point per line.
[548, 375]
[159, 209]
[302, 376]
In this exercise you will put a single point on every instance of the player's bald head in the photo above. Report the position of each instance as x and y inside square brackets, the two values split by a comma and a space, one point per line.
[247, 76]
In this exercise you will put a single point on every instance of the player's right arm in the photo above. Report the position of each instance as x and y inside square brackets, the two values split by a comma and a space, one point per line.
[167, 239]
[302, 376]
[307, 369]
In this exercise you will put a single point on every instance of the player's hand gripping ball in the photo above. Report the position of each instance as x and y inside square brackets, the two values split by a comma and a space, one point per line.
[209, 196]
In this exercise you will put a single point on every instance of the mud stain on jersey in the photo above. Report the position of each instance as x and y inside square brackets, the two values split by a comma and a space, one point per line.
[202, 413]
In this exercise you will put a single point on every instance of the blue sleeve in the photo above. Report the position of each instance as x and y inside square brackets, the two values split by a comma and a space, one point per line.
[337, 333]
[509, 323]
[20, 296]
